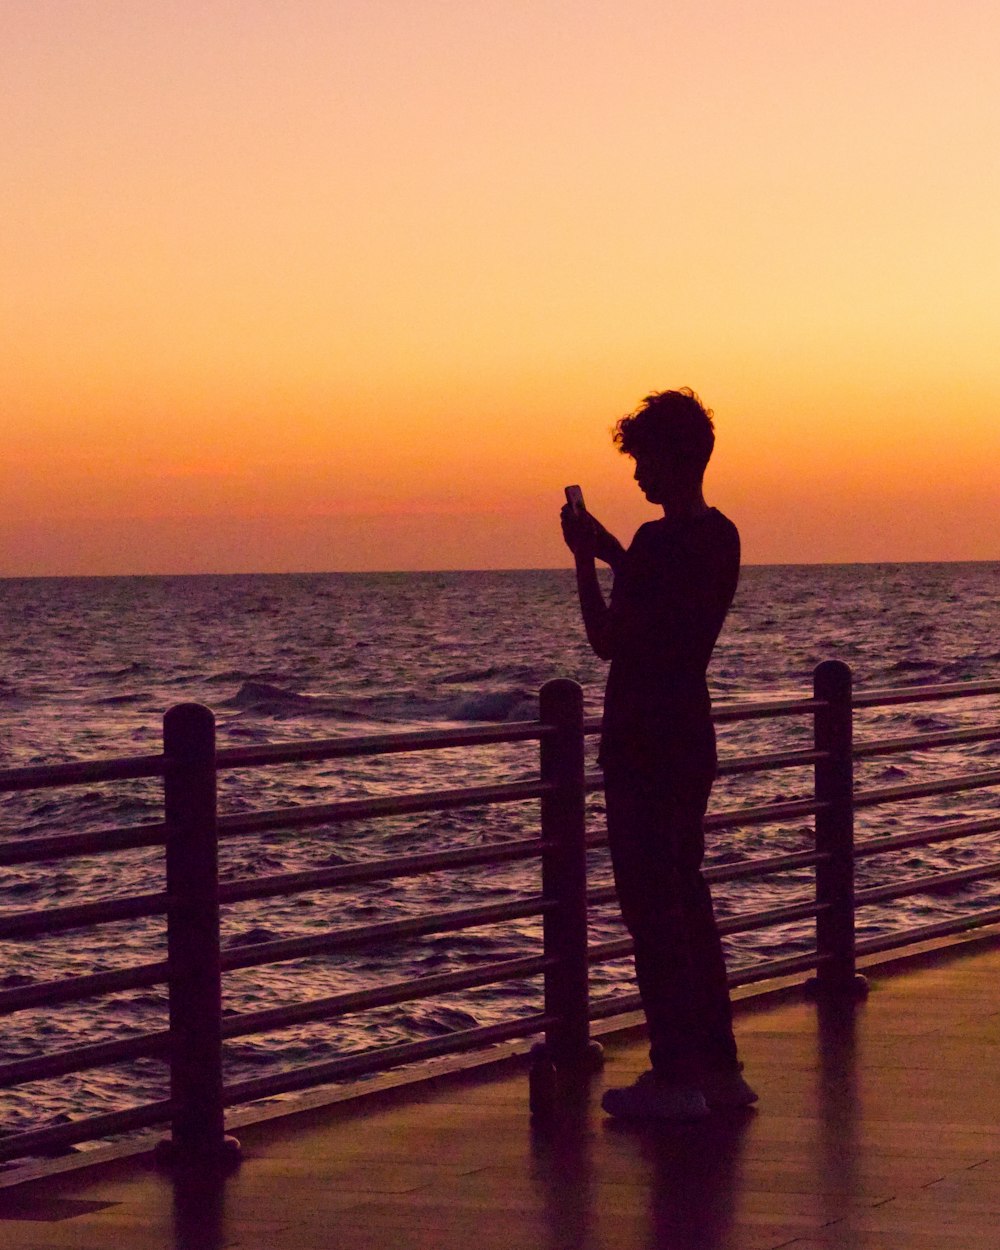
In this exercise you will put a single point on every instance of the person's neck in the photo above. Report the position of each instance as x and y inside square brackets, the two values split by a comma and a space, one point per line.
[686, 505]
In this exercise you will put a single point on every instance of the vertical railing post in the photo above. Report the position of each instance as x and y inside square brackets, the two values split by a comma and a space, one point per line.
[834, 773]
[193, 953]
[564, 881]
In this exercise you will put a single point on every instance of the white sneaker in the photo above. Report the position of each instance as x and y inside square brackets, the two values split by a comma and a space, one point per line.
[652, 1098]
[726, 1090]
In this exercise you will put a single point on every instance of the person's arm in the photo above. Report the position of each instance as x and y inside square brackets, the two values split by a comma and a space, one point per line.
[595, 612]
[589, 541]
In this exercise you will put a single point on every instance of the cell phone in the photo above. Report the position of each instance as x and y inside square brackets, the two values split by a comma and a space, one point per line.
[574, 497]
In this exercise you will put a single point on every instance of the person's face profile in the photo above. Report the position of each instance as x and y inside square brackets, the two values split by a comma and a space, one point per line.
[656, 475]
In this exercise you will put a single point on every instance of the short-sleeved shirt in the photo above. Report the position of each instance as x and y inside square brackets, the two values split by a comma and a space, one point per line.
[671, 593]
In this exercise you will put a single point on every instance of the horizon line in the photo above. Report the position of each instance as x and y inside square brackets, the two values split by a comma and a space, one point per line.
[543, 568]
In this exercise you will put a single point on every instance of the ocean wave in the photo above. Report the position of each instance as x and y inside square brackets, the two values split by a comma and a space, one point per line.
[262, 696]
[960, 670]
[510, 703]
[465, 676]
[136, 669]
[523, 674]
[252, 937]
[496, 705]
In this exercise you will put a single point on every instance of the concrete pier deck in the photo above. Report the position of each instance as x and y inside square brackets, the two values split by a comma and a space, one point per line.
[878, 1129]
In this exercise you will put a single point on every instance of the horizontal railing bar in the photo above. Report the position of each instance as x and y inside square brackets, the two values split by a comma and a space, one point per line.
[941, 833]
[37, 849]
[924, 885]
[746, 870]
[749, 869]
[378, 744]
[730, 817]
[72, 989]
[923, 789]
[750, 710]
[54, 1138]
[601, 894]
[77, 773]
[922, 742]
[252, 956]
[57, 919]
[101, 1054]
[44, 776]
[384, 996]
[737, 817]
[614, 1005]
[787, 965]
[772, 760]
[765, 709]
[924, 694]
[924, 933]
[381, 870]
[745, 922]
[385, 1057]
[66, 845]
[614, 948]
[384, 805]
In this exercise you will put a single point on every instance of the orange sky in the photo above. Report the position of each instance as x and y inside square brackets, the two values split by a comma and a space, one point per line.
[362, 285]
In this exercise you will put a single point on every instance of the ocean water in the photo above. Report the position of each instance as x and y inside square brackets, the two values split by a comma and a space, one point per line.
[90, 665]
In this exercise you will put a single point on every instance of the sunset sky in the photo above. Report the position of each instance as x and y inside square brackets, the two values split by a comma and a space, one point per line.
[361, 284]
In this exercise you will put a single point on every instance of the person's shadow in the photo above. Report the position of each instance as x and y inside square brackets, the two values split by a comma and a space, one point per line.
[693, 1177]
[657, 1185]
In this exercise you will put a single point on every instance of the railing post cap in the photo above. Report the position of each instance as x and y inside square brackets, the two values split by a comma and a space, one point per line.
[191, 713]
[188, 723]
[833, 674]
[561, 695]
[563, 685]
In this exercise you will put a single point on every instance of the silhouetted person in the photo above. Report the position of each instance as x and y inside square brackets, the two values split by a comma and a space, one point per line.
[672, 590]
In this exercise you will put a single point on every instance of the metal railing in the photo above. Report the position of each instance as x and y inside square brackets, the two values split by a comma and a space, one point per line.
[192, 1045]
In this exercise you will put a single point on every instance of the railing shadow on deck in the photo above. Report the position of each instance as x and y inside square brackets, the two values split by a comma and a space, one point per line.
[192, 896]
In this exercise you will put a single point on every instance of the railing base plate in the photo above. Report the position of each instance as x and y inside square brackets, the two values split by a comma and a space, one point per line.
[857, 988]
[223, 1157]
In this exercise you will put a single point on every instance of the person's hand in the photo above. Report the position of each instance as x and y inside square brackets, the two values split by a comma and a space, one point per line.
[578, 532]
[587, 538]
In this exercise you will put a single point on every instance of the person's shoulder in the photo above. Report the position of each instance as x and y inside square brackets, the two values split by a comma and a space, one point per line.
[721, 520]
[723, 526]
[647, 533]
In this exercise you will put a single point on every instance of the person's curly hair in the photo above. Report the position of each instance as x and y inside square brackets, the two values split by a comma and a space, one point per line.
[673, 423]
